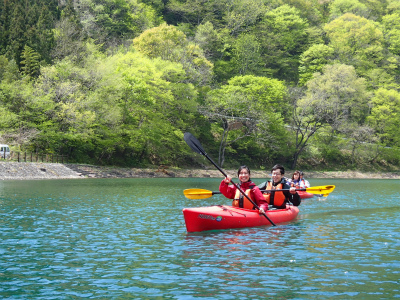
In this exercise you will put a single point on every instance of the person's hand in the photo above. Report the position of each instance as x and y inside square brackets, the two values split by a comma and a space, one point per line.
[261, 211]
[227, 179]
[292, 190]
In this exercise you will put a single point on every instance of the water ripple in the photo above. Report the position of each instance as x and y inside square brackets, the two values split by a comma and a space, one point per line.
[122, 239]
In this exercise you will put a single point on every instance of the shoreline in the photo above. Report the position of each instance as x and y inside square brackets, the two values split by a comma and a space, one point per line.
[32, 171]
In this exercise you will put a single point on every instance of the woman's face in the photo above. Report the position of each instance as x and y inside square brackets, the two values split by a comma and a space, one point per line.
[244, 175]
[296, 176]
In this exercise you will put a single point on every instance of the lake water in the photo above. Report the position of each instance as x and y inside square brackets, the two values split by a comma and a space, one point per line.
[126, 239]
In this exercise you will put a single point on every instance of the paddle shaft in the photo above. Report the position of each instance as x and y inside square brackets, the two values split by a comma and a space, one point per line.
[263, 191]
[201, 151]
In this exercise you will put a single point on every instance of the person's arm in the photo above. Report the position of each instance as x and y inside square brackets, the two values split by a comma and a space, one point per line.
[259, 198]
[295, 199]
[292, 195]
[227, 190]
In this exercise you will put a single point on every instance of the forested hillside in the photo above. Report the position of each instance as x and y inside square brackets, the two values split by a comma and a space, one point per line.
[312, 84]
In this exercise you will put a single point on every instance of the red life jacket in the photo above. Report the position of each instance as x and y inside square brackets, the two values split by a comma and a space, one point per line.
[275, 198]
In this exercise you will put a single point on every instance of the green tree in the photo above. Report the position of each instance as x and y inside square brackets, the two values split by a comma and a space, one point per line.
[69, 36]
[30, 62]
[334, 99]
[8, 117]
[113, 22]
[154, 107]
[3, 65]
[27, 23]
[44, 35]
[158, 5]
[240, 15]
[377, 8]
[384, 117]
[312, 10]
[340, 7]
[313, 60]
[120, 109]
[391, 25]
[247, 106]
[357, 41]
[392, 6]
[9, 71]
[26, 108]
[5, 13]
[209, 40]
[168, 43]
[247, 55]
[357, 137]
[17, 29]
[192, 12]
[283, 35]
[380, 78]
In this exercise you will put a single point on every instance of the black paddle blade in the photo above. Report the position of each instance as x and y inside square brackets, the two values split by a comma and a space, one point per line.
[193, 143]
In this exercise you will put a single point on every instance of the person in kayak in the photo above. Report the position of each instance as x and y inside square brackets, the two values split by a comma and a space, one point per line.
[279, 199]
[247, 186]
[295, 181]
[303, 183]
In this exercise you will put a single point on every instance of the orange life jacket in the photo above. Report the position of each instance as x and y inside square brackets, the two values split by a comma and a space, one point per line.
[242, 201]
[275, 198]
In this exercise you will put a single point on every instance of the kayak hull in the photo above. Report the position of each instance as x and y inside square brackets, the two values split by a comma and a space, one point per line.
[219, 217]
[305, 195]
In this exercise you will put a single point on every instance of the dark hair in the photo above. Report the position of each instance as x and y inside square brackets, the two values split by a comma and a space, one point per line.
[301, 173]
[296, 172]
[243, 167]
[281, 168]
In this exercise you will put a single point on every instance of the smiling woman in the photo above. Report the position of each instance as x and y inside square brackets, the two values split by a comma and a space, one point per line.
[246, 185]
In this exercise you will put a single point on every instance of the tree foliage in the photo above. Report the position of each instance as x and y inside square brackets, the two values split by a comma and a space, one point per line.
[284, 38]
[261, 82]
[334, 98]
[357, 41]
[114, 22]
[247, 106]
[384, 117]
[30, 62]
[169, 43]
[341, 7]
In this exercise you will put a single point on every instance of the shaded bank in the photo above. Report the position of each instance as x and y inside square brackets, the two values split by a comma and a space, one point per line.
[26, 171]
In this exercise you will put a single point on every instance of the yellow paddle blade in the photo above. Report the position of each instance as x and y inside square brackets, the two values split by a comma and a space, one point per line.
[324, 190]
[197, 193]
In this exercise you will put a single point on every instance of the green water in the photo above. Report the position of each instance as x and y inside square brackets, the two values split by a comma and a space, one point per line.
[126, 239]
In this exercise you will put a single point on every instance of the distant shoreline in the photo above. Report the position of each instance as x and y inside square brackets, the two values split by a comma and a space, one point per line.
[31, 171]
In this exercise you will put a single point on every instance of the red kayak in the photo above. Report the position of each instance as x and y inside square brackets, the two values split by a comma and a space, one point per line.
[305, 195]
[226, 217]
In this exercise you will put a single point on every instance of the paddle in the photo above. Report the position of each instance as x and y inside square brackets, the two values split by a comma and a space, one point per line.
[203, 194]
[195, 145]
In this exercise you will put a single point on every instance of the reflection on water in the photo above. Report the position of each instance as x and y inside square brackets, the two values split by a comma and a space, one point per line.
[126, 239]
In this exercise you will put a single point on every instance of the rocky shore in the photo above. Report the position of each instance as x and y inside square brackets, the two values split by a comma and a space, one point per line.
[31, 171]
